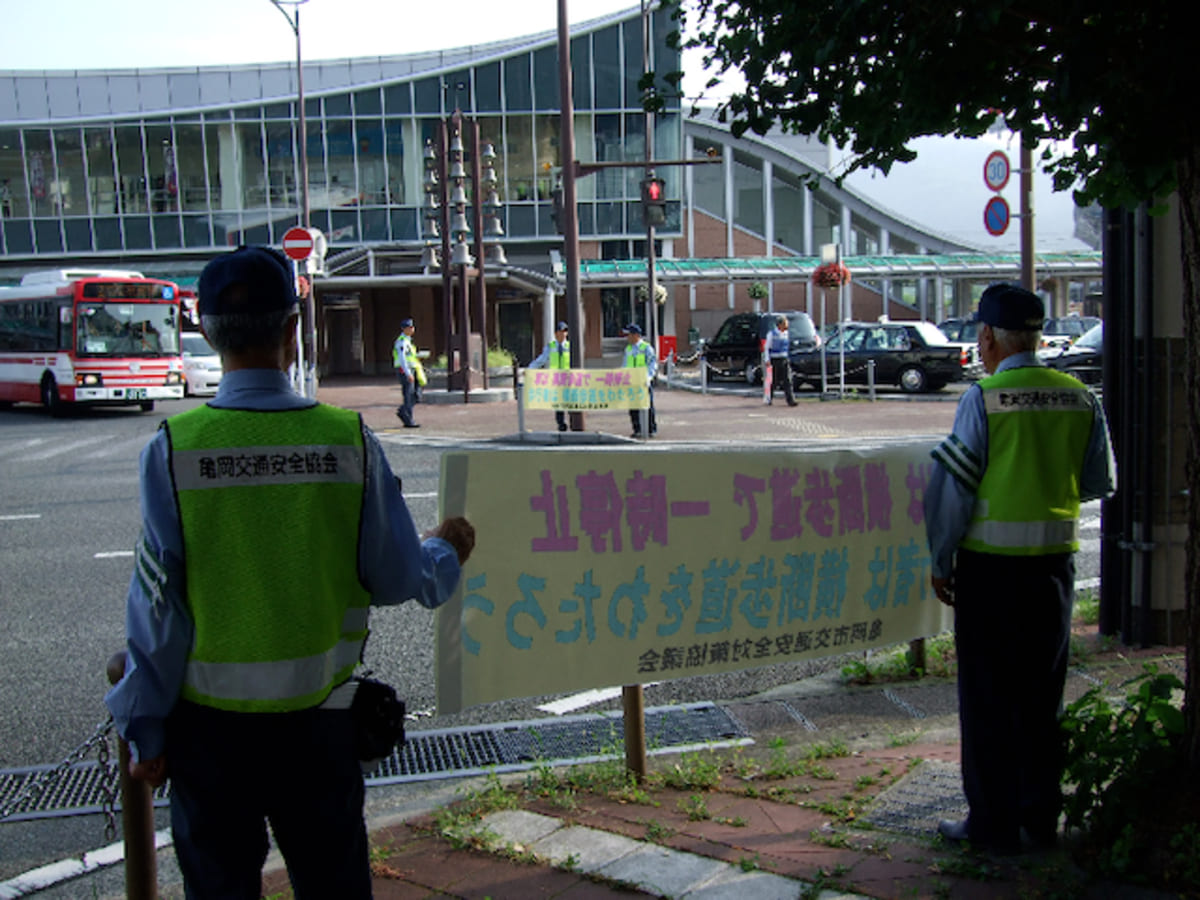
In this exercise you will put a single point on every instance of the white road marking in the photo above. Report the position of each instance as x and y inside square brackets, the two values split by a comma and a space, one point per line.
[112, 554]
[60, 449]
[17, 516]
[21, 445]
[582, 699]
[422, 494]
[49, 875]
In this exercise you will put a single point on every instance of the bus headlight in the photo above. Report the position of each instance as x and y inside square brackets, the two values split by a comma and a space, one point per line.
[174, 378]
[88, 379]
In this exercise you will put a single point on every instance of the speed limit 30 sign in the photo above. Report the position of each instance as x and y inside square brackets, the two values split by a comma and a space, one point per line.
[996, 170]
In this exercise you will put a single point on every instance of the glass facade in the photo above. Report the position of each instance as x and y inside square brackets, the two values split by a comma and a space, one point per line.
[224, 173]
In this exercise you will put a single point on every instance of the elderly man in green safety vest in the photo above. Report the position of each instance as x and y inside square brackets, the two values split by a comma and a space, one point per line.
[270, 524]
[556, 355]
[1002, 516]
[639, 354]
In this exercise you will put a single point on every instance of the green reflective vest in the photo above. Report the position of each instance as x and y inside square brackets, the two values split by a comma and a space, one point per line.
[404, 346]
[635, 355]
[560, 355]
[270, 505]
[1039, 424]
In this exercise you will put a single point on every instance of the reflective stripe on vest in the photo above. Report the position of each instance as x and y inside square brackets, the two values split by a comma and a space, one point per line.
[560, 355]
[1027, 501]
[270, 506]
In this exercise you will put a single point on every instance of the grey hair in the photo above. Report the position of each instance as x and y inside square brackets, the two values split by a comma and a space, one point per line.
[1017, 341]
[239, 332]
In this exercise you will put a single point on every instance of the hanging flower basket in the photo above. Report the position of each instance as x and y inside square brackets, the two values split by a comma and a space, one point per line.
[831, 275]
[757, 291]
[660, 293]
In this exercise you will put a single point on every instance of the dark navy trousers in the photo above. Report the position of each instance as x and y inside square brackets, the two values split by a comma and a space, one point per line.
[1012, 629]
[232, 773]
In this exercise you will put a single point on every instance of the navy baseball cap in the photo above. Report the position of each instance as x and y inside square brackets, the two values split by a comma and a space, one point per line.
[1011, 307]
[406, 323]
[265, 273]
[632, 328]
[562, 326]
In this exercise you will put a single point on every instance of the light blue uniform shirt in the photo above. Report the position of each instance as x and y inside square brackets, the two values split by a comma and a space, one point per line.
[949, 504]
[778, 344]
[394, 563]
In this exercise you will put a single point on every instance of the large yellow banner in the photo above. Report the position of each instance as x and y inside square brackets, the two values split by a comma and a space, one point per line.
[605, 567]
[586, 389]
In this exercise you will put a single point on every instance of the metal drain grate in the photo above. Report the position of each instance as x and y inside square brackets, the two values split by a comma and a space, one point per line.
[429, 755]
[918, 801]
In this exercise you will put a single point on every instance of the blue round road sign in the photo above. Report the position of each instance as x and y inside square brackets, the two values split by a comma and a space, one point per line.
[996, 216]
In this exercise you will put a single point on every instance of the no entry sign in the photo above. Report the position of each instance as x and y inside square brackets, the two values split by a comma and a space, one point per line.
[298, 244]
[996, 216]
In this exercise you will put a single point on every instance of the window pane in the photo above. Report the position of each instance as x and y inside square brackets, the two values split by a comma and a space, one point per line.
[102, 182]
[428, 94]
[397, 180]
[607, 58]
[581, 72]
[69, 190]
[518, 155]
[368, 102]
[42, 176]
[487, 87]
[372, 174]
[13, 189]
[397, 99]
[708, 185]
[281, 167]
[218, 145]
[131, 172]
[163, 168]
[189, 158]
[517, 93]
[545, 78]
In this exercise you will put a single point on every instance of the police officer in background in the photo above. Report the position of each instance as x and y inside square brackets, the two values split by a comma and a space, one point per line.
[640, 355]
[779, 345]
[270, 524]
[556, 355]
[1002, 516]
[406, 361]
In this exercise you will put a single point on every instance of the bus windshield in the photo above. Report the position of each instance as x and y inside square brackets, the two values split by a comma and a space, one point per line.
[126, 329]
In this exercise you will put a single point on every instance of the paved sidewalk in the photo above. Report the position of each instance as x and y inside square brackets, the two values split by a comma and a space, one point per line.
[684, 414]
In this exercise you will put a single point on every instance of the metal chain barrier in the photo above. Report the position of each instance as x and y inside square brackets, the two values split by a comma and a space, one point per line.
[108, 783]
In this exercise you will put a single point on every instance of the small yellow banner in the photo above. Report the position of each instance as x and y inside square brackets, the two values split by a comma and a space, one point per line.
[586, 389]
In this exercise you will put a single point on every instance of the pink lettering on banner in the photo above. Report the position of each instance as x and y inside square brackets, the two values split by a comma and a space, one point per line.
[852, 514]
[744, 489]
[646, 509]
[879, 497]
[786, 506]
[552, 502]
[819, 496]
[600, 510]
[916, 482]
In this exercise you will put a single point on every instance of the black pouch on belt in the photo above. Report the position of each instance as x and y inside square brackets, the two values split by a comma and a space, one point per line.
[378, 716]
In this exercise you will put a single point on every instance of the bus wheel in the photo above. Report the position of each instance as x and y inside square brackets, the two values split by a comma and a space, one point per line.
[147, 406]
[50, 398]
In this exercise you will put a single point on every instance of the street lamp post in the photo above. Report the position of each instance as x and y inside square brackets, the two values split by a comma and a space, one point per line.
[293, 21]
[307, 363]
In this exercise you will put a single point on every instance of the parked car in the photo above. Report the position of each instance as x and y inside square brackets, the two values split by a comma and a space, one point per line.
[201, 365]
[914, 356]
[736, 349]
[964, 333]
[1083, 359]
[1064, 331]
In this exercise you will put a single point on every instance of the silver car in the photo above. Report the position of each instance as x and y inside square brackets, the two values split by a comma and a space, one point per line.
[201, 365]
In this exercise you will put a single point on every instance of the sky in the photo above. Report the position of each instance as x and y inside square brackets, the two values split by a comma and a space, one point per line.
[942, 189]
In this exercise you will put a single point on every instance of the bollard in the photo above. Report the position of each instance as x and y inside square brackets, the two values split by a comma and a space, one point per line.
[871, 379]
[516, 370]
[634, 708]
[137, 815]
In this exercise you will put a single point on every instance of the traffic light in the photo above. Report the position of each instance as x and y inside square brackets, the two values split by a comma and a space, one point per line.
[654, 202]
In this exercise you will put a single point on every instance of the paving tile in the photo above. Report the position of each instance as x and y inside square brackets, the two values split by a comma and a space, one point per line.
[662, 870]
[588, 849]
[734, 884]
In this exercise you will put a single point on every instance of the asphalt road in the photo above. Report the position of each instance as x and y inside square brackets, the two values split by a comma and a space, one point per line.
[69, 519]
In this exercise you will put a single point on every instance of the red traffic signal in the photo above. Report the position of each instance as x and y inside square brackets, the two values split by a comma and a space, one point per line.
[654, 202]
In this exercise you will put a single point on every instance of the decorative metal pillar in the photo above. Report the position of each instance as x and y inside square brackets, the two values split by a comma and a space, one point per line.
[460, 252]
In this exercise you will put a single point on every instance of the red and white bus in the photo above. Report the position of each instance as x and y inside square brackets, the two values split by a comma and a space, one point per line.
[90, 337]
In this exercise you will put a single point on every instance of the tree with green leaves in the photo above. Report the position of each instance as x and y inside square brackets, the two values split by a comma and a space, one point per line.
[1112, 82]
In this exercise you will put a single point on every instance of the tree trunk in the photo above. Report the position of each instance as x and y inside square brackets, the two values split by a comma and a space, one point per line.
[1188, 171]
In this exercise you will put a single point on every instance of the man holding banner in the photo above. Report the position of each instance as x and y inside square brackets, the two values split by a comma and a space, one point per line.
[1002, 517]
[639, 354]
[556, 355]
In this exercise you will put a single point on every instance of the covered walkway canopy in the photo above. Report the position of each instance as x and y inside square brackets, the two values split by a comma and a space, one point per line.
[627, 272]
